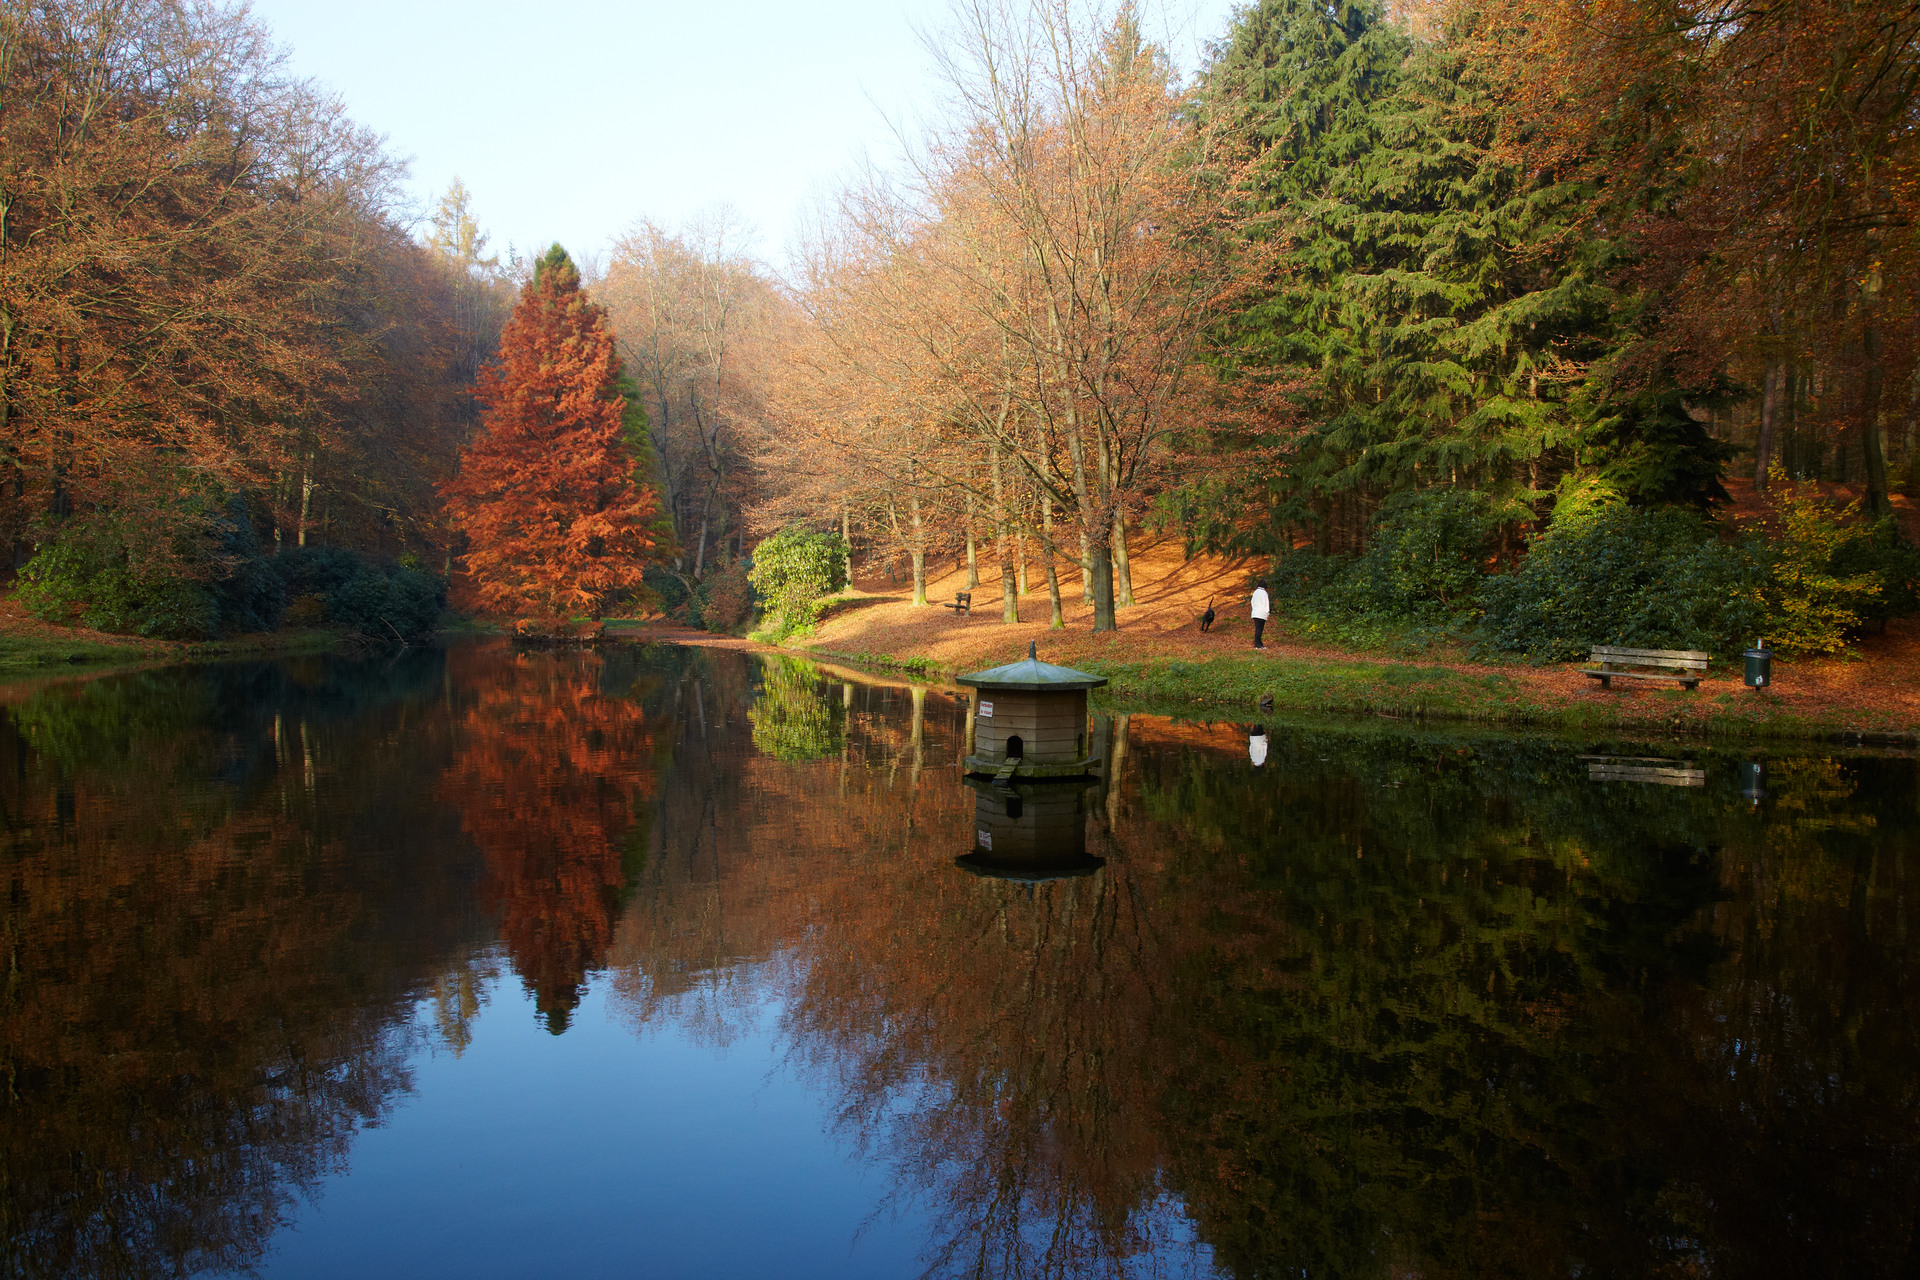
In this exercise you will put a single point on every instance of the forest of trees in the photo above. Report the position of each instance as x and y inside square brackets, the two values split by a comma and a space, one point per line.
[1433, 271]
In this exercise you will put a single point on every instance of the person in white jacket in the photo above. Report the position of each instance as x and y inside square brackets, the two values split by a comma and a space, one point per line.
[1261, 610]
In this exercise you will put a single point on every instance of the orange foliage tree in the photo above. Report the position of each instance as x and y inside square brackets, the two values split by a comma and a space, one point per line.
[546, 492]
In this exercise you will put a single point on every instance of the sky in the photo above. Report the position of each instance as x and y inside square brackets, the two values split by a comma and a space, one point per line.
[573, 119]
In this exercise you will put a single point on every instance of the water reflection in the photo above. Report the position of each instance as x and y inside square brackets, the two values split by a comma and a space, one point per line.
[1347, 1004]
[1029, 832]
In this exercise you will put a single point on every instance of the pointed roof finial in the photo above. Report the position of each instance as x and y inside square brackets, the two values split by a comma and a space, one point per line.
[1030, 650]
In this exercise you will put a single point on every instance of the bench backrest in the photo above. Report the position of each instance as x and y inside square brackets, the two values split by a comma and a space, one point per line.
[1670, 659]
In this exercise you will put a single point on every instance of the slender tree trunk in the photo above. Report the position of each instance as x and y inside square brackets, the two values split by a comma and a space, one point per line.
[306, 500]
[1086, 569]
[1122, 566]
[1020, 552]
[973, 550]
[1049, 561]
[919, 551]
[1873, 446]
[1009, 597]
[1769, 407]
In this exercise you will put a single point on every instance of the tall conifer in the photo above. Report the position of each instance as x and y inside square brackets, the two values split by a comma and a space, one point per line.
[546, 492]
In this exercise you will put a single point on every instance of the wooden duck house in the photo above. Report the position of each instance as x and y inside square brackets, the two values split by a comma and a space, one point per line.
[1030, 721]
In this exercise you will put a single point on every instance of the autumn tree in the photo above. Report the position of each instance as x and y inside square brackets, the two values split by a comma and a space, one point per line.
[698, 321]
[1029, 317]
[546, 492]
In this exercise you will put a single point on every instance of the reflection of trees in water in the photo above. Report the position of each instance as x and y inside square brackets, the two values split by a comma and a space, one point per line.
[981, 1038]
[791, 718]
[1474, 1016]
[990, 1041]
[548, 774]
[211, 949]
[1436, 1007]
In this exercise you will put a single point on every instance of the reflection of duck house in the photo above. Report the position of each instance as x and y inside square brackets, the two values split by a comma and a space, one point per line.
[1660, 772]
[1030, 721]
[1030, 833]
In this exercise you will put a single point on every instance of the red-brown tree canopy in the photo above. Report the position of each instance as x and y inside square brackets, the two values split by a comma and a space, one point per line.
[546, 493]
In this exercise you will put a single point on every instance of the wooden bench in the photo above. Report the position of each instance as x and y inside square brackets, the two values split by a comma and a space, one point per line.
[962, 603]
[1685, 667]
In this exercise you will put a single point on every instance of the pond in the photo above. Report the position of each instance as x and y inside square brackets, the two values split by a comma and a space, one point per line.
[686, 962]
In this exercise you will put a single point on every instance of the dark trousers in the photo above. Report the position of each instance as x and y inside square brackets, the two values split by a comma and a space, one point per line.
[1259, 625]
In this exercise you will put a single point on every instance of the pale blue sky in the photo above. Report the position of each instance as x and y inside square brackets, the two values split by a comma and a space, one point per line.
[571, 120]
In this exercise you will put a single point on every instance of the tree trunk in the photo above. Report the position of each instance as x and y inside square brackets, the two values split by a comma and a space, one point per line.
[1872, 445]
[1101, 554]
[919, 552]
[1086, 569]
[1009, 598]
[306, 503]
[973, 550]
[1769, 408]
[1020, 548]
[1122, 567]
[1050, 562]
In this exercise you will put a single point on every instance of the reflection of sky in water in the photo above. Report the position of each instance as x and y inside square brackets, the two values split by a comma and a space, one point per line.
[616, 1150]
[600, 1152]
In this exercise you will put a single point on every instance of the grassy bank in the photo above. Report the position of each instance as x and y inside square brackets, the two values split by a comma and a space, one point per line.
[1246, 686]
[43, 654]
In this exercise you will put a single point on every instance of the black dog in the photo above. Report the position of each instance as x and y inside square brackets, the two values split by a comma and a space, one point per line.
[1206, 619]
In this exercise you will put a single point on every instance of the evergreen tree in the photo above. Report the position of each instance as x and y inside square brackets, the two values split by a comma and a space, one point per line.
[1448, 307]
[546, 493]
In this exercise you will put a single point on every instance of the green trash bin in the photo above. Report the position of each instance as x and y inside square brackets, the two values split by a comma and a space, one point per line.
[1759, 667]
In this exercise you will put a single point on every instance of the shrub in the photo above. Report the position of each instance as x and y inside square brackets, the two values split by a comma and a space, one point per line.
[1812, 602]
[361, 596]
[792, 571]
[726, 598]
[88, 574]
[250, 595]
[1658, 578]
[1427, 556]
[1883, 553]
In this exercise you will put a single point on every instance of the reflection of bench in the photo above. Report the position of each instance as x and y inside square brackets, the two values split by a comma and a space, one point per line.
[962, 603]
[1685, 667]
[1665, 773]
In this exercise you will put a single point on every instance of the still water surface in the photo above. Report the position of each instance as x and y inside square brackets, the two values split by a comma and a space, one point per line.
[659, 962]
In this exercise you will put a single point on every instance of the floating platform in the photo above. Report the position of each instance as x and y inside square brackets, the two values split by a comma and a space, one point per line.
[1022, 770]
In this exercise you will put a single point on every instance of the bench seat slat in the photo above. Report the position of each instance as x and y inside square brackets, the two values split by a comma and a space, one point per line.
[1615, 651]
[1676, 664]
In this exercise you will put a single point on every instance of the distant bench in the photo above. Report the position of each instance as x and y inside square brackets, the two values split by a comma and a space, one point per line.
[962, 603]
[1685, 667]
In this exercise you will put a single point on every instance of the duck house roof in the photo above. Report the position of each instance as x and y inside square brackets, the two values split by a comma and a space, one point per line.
[1030, 675]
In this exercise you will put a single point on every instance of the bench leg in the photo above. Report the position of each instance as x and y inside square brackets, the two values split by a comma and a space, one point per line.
[1606, 682]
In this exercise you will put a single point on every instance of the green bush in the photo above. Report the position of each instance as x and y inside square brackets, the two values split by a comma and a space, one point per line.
[87, 575]
[379, 601]
[1883, 553]
[1427, 556]
[1421, 572]
[1657, 578]
[793, 571]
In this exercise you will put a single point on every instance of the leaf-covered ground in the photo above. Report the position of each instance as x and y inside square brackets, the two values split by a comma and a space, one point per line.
[1159, 655]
